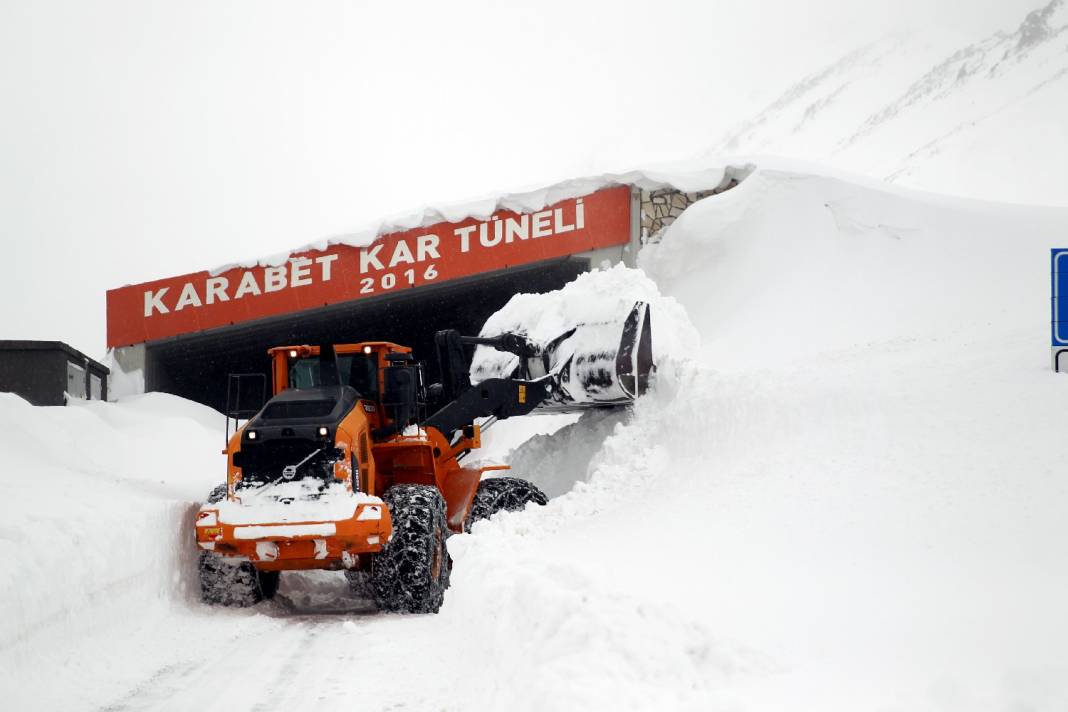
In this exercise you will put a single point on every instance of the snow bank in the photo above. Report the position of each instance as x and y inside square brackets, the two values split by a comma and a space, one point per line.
[505, 436]
[548, 635]
[556, 461]
[826, 264]
[95, 527]
[850, 498]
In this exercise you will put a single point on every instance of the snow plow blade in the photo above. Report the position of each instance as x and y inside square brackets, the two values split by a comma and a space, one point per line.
[601, 361]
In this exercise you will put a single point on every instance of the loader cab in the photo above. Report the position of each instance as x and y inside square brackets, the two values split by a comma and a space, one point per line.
[360, 371]
[380, 371]
[361, 366]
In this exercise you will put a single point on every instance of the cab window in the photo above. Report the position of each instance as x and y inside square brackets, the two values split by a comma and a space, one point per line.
[357, 370]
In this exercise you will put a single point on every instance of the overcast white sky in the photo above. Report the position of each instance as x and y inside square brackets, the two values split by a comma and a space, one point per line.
[142, 139]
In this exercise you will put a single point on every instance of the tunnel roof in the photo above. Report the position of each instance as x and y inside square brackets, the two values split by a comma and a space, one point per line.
[435, 245]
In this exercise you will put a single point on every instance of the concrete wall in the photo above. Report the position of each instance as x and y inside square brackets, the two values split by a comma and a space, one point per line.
[37, 371]
[38, 376]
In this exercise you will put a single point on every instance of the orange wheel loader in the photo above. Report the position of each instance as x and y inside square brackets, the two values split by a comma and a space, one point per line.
[354, 463]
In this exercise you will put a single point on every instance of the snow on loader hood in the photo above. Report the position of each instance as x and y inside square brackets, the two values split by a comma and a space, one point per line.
[303, 500]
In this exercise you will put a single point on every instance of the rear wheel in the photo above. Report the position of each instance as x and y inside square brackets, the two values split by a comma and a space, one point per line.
[500, 494]
[412, 572]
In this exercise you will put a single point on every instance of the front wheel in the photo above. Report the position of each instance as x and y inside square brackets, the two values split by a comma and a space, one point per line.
[411, 573]
[223, 583]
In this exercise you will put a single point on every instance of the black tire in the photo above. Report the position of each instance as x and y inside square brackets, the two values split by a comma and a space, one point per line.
[500, 494]
[411, 573]
[227, 584]
[269, 581]
[358, 583]
[216, 495]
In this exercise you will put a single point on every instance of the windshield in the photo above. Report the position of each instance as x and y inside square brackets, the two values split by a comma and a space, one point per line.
[357, 370]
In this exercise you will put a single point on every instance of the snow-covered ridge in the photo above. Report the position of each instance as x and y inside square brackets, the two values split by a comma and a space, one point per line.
[983, 120]
[999, 55]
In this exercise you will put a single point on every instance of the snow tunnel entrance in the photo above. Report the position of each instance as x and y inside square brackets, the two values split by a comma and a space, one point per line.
[196, 366]
[187, 333]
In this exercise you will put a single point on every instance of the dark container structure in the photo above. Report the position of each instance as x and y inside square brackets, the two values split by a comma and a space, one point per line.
[48, 372]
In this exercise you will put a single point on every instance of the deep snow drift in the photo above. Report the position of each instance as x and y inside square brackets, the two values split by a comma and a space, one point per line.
[95, 525]
[843, 492]
[849, 499]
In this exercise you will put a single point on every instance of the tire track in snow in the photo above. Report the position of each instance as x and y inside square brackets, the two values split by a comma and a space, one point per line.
[196, 681]
[284, 690]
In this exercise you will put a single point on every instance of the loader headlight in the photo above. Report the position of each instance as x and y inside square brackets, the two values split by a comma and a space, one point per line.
[292, 353]
[323, 431]
[367, 349]
[252, 435]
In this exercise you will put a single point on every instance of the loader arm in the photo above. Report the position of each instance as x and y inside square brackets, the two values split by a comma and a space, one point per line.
[498, 397]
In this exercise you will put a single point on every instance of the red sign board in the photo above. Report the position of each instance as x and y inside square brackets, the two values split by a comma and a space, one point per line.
[342, 273]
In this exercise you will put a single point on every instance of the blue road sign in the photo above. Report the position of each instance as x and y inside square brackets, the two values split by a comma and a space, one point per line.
[1059, 299]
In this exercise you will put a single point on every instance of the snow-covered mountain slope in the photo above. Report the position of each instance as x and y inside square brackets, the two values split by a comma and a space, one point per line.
[985, 119]
[849, 496]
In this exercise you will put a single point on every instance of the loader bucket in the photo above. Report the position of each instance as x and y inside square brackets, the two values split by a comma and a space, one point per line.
[602, 361]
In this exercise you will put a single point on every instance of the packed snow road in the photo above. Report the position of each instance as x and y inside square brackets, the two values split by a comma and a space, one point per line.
[844, 491]
[280, 660]
[101, 601]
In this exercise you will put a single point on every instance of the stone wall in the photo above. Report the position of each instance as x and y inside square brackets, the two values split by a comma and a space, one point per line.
[660, 207]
